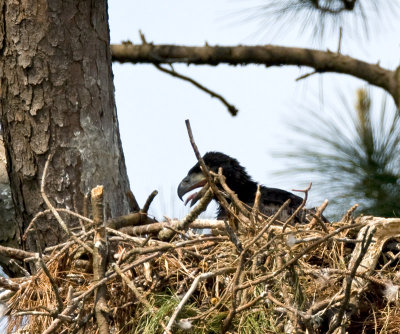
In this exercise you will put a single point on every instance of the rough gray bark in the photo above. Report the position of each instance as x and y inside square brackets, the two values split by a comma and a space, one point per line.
[57, 95]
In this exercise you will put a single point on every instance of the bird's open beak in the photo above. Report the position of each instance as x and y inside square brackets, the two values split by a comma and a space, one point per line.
[189, 183]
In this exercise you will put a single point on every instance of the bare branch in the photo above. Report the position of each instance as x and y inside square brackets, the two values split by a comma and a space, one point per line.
[268, 55]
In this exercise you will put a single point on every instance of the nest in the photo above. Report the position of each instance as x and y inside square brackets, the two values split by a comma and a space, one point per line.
[253, 274]
[249, 274]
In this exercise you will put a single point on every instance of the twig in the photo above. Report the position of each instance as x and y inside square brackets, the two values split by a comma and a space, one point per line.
[193, 287]
[231, 108]
[42, 213]
[221, 199]
[8, 284]
[57, 322]
[300, 207]
[257, 198]
[53, 284]
[291, 309]
[17, 254]
[270, 221]
[349, 212]
[233, 237]
[132, 219]
[317, 218]
[340, 40]
[156, 227]
[184, 224]
[268, 277]
[234, 198]
[304, 76]
[367, 238]
[132, 286]
[235, 282]
[150, 199]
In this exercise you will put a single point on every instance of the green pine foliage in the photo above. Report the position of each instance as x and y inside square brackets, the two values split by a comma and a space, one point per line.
[354, 155]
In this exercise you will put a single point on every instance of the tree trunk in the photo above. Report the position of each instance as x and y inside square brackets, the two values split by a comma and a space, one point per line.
[57, 96]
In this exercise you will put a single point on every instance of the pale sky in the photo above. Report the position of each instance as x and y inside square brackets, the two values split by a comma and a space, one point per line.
[153, 106]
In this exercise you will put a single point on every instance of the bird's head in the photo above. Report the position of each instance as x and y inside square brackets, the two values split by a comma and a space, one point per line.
[195, 178]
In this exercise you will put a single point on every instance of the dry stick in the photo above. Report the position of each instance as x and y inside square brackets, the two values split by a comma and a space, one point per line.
[317, 217]
[256, 204]
[231, 108]
[235, 282]
[165, 246]
[150, 199]
[123, 235]
[301, 206]
[193, 287]
[233, 237]
[17, 254]
[268, 277]
[132, 286]
[291, 309]
[8, 284]
[221, 199]
[324, 304]
[53, 284]
[57, 322]
[54, 211]
[86, 205]
[333, 271]
[367, 238]
[235, 199]
[136, 292]
[251, 303]
[285, 293]
[100, 252]
[156, 227]
[110, 275]
[349, 212]
[242, 260]
[184, 224]
[266, 226]
[42, 213]
[68, 243]
[132, 219]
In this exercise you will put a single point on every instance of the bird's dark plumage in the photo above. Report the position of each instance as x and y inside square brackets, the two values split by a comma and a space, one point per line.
[241, 183]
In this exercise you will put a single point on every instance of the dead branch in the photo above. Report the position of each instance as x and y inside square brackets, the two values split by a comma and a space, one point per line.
[231, 108]
[157, 227]
[299, 208]
[317, 218]
[149, 200]
[17, 254]
[132, 219]
[100, 252]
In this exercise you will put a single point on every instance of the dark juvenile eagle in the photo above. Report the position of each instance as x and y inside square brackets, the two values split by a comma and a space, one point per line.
[242, 184]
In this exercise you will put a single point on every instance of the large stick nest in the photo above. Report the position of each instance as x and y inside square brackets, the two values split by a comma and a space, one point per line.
[249, 274]
[252, 274]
